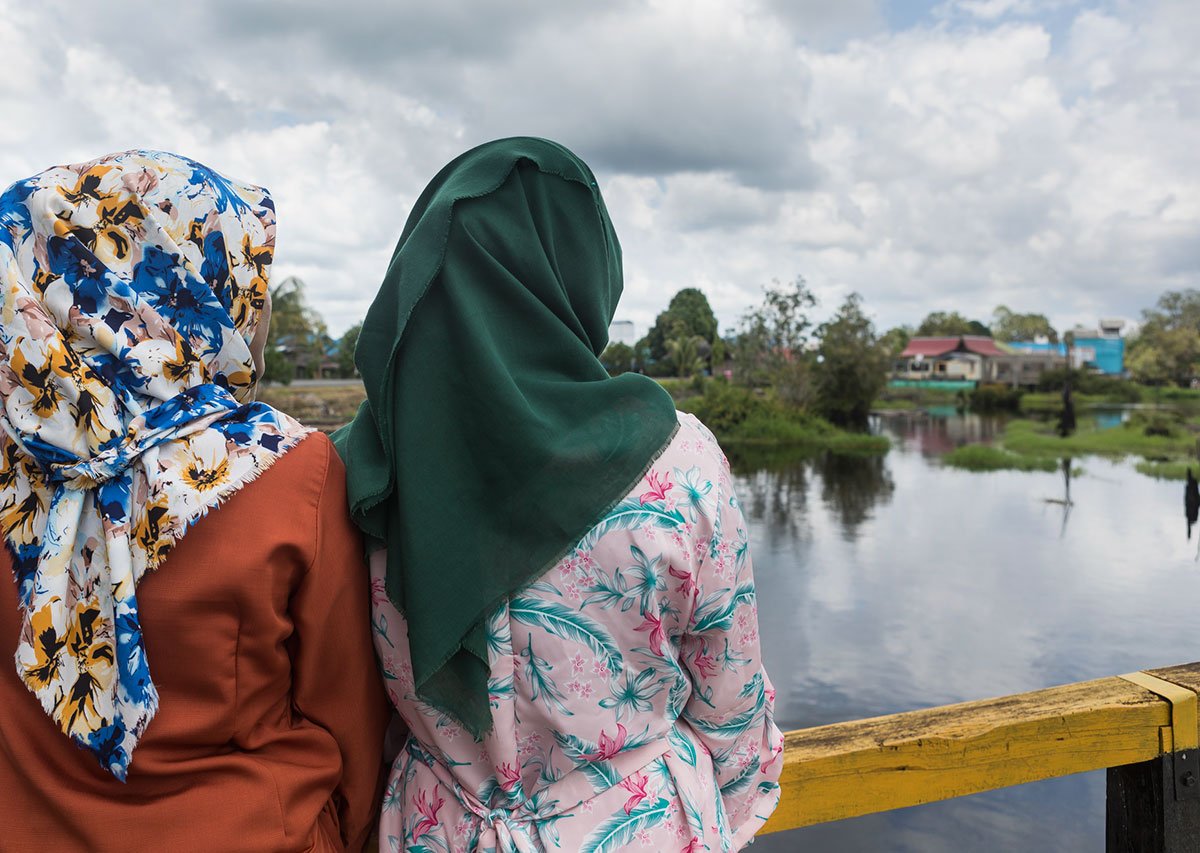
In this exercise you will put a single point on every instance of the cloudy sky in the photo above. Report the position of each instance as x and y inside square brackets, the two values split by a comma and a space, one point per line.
[929, 154]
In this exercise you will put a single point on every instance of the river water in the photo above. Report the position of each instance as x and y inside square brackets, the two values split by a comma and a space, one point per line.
[892, 583]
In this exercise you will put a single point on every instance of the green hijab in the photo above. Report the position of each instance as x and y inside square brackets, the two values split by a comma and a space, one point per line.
[492, 439]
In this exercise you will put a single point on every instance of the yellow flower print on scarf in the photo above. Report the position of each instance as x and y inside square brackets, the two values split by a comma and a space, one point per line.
[205, 475]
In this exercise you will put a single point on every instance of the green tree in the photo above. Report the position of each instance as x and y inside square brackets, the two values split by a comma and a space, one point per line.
[1167, 348]
[851, 366]
[1008, 326]
[949, 324]
[689, 307]
[618, 358]
[895, 339]
[683, 351]
[771, 346]
[345, 350]
[297, 340]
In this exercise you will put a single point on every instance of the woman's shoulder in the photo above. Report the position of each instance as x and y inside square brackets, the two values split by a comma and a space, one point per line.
[694, 445]
[299, 477]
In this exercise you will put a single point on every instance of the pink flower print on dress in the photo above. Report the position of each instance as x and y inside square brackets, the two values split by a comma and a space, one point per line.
[607, 747]
[689, 583]
[378, 591]
[658, 636]
[705, 663]
[636, 786]
[428, 810]
[510, 777]
[658, 488]
[693, 846]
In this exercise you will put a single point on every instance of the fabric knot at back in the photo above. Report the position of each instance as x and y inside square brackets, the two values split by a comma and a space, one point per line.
[192, 411]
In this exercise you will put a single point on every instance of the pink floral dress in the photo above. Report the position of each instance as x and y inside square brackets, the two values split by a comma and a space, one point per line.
[629, 701]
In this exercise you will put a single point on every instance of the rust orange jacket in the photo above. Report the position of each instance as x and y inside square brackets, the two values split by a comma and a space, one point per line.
[271, 718]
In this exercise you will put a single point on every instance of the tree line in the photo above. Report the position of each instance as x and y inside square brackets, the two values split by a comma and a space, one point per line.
[836, 367]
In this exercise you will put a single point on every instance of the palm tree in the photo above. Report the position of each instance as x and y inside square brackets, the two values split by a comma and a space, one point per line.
[684, 352]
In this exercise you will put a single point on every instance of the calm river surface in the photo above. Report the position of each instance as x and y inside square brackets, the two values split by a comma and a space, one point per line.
[891, 583]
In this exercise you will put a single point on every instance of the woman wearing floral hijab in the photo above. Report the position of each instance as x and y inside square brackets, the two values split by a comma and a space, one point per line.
[181, 682]
[563, 595]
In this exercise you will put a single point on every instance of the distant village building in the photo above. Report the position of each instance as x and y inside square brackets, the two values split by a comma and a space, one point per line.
[970, 360]
[622, 332]
[1100, 349]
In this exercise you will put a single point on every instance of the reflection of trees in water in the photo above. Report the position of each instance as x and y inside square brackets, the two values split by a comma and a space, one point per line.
[774, 491]
[773, 486]
[852, 485]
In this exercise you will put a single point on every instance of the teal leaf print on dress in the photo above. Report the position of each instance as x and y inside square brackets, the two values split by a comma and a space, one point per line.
[731, 659]
[697, 492]
[754, 685]
[545, 586]
[609, 594]
[600, 773]
[564, 622]
[541, 685]
[742, 781]
[499, 634]
[500, 689]
[649, 577]
[732, 727]
[630, 514]
[617, 832]
[716, 613]
[682, 746]
[633, 697]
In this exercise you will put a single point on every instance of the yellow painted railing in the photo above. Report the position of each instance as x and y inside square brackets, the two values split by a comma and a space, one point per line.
[865, 766]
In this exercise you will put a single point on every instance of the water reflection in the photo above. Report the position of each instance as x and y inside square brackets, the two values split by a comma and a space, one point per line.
[853, 485]
[934, 432]
[892, 583]
[1065, 501]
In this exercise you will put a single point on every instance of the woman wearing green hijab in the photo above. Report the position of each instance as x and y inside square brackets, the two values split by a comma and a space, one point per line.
[563, 595]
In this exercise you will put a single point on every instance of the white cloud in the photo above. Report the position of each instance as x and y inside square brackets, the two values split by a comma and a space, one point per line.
[985, 155]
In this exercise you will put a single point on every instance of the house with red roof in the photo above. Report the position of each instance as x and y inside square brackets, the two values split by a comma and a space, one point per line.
[971, 358]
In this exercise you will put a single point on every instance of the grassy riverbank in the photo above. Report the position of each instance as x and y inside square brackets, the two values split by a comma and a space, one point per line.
[740, 416]
[1164, 442]
[985, 457]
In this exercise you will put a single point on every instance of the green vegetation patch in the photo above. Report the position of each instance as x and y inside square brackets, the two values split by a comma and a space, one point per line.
[738, 415]
[983, 457]
[1050, 402]
[1130, 439]
[1172, 469]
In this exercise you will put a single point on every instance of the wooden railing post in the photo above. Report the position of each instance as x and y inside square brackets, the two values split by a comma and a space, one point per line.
[1154, 806]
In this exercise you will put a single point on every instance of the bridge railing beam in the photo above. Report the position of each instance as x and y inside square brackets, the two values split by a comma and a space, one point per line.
[866, 766]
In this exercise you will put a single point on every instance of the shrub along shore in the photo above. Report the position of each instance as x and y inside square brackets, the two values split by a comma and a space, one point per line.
[742, 416]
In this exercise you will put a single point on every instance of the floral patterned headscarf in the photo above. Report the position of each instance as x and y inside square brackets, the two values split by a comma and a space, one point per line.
[130, 287]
